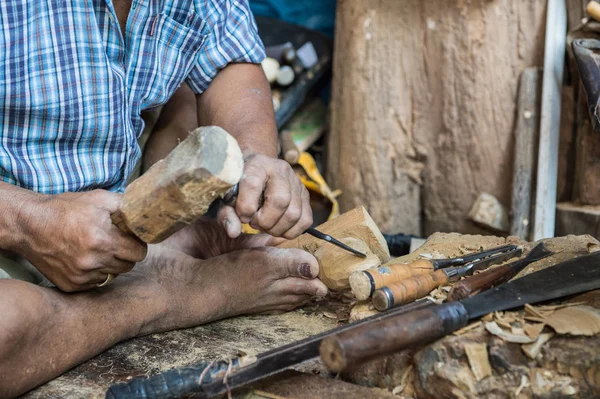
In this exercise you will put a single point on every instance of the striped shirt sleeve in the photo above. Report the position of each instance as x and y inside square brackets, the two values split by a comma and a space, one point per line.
[233, 38]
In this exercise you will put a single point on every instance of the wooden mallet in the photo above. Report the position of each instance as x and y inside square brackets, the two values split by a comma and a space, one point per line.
[176, 191]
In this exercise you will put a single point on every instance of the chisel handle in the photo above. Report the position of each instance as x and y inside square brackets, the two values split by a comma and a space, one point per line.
[351, 348]
[365, 283]
[408, 290]
[482, 281]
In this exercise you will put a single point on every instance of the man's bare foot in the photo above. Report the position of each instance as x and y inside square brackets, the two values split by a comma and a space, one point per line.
[206, 238]
[259, 280]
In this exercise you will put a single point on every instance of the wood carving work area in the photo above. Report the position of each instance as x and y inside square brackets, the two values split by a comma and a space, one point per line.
[273, 199]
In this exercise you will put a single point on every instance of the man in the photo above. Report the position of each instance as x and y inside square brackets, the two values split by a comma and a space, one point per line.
[74, 79]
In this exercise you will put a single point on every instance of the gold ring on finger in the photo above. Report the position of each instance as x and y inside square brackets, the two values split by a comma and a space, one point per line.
[109, 278]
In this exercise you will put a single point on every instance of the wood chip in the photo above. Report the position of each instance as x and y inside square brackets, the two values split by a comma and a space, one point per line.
[533, 350]
[530, 310]
[477, 355]
[494, 328]
[576, 320]
[517, 330]
[330, 315]
[488, 317]
[400, 388]
[534, 330]
[468, 328]
[524, 384]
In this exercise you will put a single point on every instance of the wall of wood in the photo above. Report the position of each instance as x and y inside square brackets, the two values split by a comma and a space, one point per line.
[423, 108]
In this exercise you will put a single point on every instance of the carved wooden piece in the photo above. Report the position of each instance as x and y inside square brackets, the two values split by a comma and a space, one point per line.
[179, 189]
[337, 264]
[355, 228]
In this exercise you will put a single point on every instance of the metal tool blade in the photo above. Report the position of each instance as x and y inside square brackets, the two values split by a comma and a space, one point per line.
[571, 277]
[316, 233]
[484, 263]
[462, 260]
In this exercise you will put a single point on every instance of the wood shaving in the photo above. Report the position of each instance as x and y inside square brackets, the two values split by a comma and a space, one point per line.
[568, 390]
[477, 355]
[330, 315]
[534, 330]
[533, 350]
[468, 328]
[531, 311]
[517, 331]
[400, 388]
[524, 384]
[534, 319]
[494, 328]
[575, 320]
[488, 317]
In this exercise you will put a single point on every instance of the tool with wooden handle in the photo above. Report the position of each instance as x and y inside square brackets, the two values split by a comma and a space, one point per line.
[351, 348]
[496, 276]
[178, 190]
[364, 283]
[205, 379]
[593, 9]
[417, 287]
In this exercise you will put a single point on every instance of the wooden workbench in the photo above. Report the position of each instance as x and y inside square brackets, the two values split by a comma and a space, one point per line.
[577, 358]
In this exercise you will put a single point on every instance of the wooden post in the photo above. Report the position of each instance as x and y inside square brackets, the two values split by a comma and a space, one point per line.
[547, 170]
[526, 133]
[423, 106]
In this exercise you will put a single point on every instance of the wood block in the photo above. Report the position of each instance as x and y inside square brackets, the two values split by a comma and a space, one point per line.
[577, 219]
[355, 228]
[176, 191]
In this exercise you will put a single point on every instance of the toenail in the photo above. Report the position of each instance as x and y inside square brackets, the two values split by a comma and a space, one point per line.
[226, 222]
[305, 270]
[321, 292]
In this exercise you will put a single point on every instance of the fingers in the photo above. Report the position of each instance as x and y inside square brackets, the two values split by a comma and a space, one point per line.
[230, 221]
[251, 188]
[291, 227]
[126, 247]
[280, 201]
[106, 200]
[285, 210]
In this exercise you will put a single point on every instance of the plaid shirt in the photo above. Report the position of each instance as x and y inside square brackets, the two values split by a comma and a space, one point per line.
[71, 89]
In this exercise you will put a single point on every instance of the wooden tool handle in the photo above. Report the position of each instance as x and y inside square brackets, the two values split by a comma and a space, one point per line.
[365, 284]
[391, 334]
[290, 152]
[593, 9]
[472, 285]
[408, 290]
[118, 219]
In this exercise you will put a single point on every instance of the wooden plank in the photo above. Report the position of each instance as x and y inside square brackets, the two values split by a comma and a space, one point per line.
[554, 58]
[528, 114]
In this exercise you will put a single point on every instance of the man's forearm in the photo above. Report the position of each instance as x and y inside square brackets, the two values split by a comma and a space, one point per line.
[14, 201]
[177, 119]
[239, 100]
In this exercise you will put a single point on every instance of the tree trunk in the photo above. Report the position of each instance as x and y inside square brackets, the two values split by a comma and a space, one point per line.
[423, 106]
